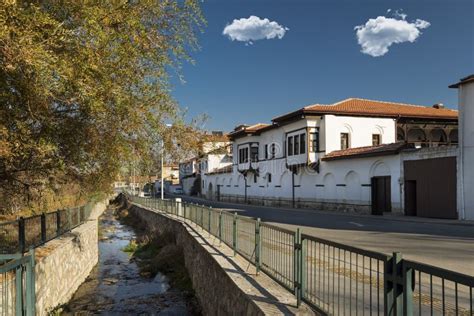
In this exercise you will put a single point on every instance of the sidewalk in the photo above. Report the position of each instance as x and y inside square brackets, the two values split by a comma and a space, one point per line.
[386, 216]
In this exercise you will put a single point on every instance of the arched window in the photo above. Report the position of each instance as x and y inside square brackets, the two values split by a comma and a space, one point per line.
[400, 134]
[417, 136]
[453, 136]
[438, 137]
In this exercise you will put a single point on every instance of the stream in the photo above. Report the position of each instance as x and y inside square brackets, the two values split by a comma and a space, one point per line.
[115, 286]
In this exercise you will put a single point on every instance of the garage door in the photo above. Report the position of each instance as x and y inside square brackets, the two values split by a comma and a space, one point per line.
[430, 187]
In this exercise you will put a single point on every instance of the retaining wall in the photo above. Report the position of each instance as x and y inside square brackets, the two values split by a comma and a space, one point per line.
[64, 263]
[216, 291]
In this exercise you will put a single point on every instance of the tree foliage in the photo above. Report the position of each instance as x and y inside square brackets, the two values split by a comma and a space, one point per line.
[84, 88]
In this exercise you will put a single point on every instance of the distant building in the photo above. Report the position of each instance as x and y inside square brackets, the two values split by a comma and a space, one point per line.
[214, 153]
[466, 147]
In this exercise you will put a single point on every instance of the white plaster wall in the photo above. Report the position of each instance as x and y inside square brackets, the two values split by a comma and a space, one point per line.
[466, 151]
[341, 181]
[360, 130]
[187, 184]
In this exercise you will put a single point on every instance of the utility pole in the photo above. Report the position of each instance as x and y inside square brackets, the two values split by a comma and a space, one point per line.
[162, 165]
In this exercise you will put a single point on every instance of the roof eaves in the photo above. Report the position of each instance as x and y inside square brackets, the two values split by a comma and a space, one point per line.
[464, 80]
[397, 148]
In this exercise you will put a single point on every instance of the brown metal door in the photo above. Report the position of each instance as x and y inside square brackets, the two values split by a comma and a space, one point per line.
[410, 198]
[381, 195]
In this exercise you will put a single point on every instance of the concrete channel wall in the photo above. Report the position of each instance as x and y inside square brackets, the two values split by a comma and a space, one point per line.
[64, 263]
[223, 284]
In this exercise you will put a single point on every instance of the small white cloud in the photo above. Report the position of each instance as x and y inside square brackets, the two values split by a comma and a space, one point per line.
[377, 35]
[399, 14]
[253, 29]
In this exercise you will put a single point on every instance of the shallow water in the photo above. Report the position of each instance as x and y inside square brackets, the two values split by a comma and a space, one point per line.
[115, 286]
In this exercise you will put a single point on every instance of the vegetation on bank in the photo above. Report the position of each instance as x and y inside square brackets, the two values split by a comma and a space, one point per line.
[159, 254]
[84, 91]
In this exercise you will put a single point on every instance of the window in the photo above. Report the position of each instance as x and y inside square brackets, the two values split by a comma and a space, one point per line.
[344, 141]
[296, 149]
[290, 146]
[314, 142]
[269, 177]
[254, 178]
[273, 150]
[244, 155]
[302, 143]
[376, 139]
[254, 153]
[266, 151]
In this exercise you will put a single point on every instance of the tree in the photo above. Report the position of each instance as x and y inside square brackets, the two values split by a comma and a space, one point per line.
[83, 89]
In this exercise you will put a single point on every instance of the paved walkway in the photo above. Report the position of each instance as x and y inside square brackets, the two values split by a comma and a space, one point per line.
[444, 243]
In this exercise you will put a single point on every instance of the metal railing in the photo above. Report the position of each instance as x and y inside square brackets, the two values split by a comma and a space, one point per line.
[17, 284]
[333, 278]
[27, 232]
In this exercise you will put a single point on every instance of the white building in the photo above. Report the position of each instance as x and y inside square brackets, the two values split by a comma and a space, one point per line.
[214, 154]
[466, 147]
[343, 156]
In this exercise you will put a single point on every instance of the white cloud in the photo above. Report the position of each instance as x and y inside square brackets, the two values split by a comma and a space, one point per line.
[253, 29]
[377, 35]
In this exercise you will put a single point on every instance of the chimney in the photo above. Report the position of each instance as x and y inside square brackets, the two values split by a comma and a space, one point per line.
[438, 106]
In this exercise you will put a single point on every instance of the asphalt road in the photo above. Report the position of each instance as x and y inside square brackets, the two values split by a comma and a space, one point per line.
[447, 244]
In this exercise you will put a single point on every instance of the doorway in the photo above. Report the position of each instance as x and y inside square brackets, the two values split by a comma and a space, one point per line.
[381, 195]
[410, 198]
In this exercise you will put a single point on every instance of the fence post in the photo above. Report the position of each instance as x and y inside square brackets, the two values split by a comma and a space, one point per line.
[58, 222]
[393, 285]
[21, 234]
[220, 226]
[298, 268]
[209, 220]
[30, 284]
[234, 234]
[257, 246]
[408, 275]
[69, 219]
[43, 228]
[202, 216]
[82, 214]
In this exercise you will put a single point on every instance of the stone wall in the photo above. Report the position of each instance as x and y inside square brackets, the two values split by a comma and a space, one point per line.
[216, 291]
[63, 264]
[299, 203]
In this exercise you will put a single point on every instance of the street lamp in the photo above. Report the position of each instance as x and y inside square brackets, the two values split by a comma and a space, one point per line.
[162, 166]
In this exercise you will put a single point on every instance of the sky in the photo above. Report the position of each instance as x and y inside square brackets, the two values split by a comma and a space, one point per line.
[262, 58]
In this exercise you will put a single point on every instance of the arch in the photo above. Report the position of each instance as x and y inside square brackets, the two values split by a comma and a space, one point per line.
[400, 134]
[209, 191]
[453, 136]
[377, 130]
[417, 135]
[347, 128]
[329, 192]
[438, 137]
[379, 168]
[240, 179]
[282, 177]
[353, 188]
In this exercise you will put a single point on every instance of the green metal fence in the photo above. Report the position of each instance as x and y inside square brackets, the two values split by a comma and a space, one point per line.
[333, 278]
[17, 284]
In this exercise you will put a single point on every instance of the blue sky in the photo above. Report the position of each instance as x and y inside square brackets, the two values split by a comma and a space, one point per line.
[319, 59]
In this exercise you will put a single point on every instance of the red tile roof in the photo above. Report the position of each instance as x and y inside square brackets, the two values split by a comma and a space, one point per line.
[368, 151]
[371, 108]
[245, 130]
